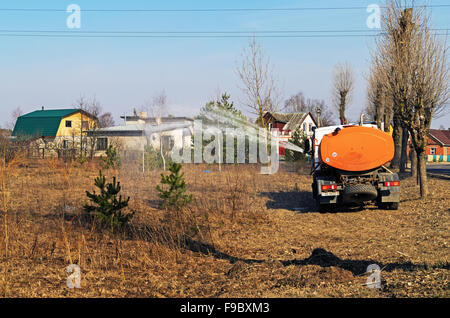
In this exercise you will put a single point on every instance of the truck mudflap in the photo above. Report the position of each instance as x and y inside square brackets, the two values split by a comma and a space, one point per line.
[389, 191]
[389, 195]
[324, 197]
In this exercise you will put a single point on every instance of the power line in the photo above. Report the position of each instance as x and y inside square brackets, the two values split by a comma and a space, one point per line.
[178, 36]
[198, 32]
[194, 36]
[209, 9]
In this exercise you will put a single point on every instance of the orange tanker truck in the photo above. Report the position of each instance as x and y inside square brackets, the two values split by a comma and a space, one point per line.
[348, 167]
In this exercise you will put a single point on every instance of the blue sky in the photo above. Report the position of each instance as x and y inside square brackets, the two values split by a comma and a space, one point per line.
[124, 73]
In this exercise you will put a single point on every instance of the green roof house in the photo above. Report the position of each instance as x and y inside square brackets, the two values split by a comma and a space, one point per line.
[53, 123]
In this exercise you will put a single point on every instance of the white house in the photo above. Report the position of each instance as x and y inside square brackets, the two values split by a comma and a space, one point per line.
[139, 131]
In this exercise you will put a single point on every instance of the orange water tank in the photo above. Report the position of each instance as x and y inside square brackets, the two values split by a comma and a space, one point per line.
[357, 148]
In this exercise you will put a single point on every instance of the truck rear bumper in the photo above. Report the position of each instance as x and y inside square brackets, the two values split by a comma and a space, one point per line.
[385, 196]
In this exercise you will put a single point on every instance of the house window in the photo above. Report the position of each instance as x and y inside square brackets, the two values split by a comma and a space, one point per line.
[65, 144]
[167, 142]
[68, 123]
[84, 125]
[102, 143]
[304, 127]
[432, 151]
[310, 127]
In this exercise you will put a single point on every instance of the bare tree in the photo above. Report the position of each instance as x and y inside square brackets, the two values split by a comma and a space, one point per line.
[93, 107]
[16, 113]
[158, 107]
[376, 95]
[106, 120]
[258, 82]
[298, 104]
[295, 104]
[343, 84]
[414, 62]
[315, 106]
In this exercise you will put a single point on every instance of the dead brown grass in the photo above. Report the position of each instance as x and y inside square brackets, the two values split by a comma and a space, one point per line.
[245, 235]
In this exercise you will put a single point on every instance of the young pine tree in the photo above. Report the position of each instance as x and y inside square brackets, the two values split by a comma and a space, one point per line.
[106, 206]
[174, 196]
[112, 159]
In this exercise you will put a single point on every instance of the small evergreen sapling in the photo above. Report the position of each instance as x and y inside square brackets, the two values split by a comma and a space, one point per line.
[106, 207]
[175, 196]
[299, 139]
[112, 158]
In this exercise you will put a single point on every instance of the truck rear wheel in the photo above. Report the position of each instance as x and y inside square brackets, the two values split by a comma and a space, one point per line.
[359, 193]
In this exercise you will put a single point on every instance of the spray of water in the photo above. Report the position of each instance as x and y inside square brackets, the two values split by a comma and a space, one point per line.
[228, 119]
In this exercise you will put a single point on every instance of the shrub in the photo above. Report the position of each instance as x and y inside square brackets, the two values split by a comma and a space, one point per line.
[106, 207]
[7, 149]
[299, 139]
[175, 196]
[82, 159]
[153, 159]
[112, 159]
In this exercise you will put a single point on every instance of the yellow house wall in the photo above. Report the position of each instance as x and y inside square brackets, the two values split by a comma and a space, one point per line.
[75, 130]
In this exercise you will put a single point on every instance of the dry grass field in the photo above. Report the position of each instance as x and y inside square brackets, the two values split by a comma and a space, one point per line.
[244, 235]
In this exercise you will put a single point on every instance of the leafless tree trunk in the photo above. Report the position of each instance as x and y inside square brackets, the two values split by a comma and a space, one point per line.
[258, 82]
[343, 85]
[413, 158]
[397, 135]
[388, 114]
[378, 107]
[404, 150]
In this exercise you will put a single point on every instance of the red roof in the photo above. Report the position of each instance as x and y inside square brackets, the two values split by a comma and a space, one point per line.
[441, 136]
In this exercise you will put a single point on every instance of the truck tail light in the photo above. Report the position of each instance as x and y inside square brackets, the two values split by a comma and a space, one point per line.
[392, 184]
[326, 187]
